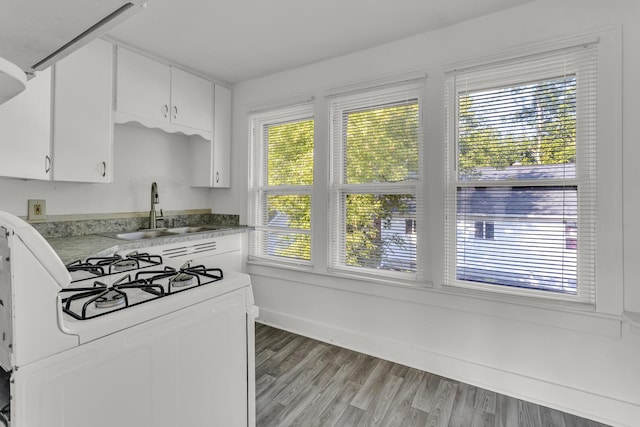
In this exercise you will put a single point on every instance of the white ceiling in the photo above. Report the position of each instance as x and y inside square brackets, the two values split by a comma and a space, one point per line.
[237, 40]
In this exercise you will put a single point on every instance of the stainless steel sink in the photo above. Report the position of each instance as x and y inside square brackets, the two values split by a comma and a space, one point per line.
[163, 232]
[196, 229]
[186, 230]
[142, 234]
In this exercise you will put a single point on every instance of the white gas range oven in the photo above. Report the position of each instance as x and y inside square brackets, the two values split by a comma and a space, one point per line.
[128, 340]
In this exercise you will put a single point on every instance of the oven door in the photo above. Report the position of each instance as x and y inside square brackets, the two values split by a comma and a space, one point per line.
[187, 368]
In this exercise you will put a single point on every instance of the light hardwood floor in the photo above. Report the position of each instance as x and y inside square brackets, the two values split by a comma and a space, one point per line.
[308, 383]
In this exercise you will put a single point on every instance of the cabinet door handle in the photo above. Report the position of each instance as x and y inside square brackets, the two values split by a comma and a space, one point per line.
[104, 168]
[217, 177]
[165, 110]
[47, 164]
[175, 112]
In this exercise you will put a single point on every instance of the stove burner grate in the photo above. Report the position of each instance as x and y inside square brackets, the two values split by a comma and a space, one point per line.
[102, 266]
[103, 297]
[179, 278]
[157, 283]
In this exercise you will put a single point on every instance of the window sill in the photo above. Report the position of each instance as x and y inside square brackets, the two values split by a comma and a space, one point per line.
[381, 286]
[556, 314]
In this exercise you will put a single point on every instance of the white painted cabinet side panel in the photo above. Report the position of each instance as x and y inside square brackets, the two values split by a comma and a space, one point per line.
[25, 130]
[222, 138]
[82, 126]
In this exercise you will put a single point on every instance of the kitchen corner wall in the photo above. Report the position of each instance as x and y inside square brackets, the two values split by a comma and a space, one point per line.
[141, 156]
[577, 361]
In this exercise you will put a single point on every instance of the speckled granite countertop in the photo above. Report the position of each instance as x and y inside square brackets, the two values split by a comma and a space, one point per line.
[81, 237]
[72, 248]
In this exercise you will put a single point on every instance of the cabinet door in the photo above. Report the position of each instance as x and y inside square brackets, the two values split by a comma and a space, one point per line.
[222, 137]
[142, 86]
[25, 131]
[82, 125]
[190, 100]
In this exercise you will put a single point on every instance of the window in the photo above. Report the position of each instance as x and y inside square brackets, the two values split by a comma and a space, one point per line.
[484, 229]
[281, 177]
[376, 137]
[521, 175]
[410, 226]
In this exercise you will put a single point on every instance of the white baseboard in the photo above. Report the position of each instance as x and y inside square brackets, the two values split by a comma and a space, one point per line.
[582, 403]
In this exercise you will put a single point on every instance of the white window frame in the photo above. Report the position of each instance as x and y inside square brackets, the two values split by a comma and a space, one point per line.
[585, 178]
[338, 189]
[259, 190]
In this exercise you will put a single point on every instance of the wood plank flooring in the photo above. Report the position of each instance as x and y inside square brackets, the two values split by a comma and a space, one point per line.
[308, 383]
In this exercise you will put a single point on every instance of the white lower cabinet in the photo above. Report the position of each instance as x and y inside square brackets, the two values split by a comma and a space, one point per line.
[82, 124]
[25, 131]
[224, 252]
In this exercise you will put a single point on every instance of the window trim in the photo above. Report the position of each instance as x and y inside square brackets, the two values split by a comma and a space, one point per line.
[371, 98]
[453, 183]
[258, 188]
[609, 235]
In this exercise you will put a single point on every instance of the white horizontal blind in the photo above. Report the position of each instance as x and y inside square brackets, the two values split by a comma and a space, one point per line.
[521, 197]
[375, 176]
[281, 177]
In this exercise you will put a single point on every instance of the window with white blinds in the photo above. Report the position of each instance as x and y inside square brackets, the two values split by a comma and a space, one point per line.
[521, 187]
[375, 175]
[280, 183]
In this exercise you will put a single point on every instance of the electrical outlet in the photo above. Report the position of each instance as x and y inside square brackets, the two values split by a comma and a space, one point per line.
[37, 210]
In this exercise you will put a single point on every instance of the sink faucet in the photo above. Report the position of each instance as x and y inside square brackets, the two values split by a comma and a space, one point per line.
[153, 217]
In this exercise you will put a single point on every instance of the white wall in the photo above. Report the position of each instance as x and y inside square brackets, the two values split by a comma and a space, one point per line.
[578, 361]
[141, 156]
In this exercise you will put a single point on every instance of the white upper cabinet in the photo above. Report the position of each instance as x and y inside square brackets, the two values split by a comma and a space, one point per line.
[82, 124]
[25, 131]
[222, 138]
[190, 100]
[211, 159]
[159, 95]
[143, 88]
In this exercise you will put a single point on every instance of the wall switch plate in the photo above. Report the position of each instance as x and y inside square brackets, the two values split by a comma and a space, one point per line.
[37, 210]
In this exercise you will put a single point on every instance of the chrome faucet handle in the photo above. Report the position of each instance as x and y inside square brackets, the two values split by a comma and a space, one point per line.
[155, 199]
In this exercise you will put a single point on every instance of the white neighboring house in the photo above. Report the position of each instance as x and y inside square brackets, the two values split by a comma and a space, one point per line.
[524, 236]
[398, 240]
[515, 236]
[277, 243]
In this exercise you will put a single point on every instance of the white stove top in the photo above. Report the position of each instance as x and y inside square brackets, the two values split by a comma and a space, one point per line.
[102, 299]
